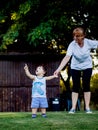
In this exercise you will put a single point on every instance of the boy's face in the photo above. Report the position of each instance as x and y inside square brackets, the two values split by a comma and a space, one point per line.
[40, 70]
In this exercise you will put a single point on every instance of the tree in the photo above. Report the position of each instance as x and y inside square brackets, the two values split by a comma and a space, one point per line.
[39, 22]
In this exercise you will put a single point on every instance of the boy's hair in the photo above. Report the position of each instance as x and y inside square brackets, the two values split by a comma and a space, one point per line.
[44, 67]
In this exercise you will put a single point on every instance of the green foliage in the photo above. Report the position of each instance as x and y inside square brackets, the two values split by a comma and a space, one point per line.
[13, 32]
[94, 82]
[37, 20]
[24, 8]
[87, 2]
[41, 32]
[94, 90]
[10, 36]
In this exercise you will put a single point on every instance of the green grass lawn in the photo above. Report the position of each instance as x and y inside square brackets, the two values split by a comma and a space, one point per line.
[55, 121]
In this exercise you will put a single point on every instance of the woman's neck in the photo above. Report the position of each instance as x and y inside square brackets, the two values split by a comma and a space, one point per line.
[81, 44]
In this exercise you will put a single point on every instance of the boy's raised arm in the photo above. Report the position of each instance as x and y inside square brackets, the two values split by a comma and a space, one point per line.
[28, 72]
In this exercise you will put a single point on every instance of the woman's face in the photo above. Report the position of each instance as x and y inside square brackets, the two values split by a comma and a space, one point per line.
[78, 36]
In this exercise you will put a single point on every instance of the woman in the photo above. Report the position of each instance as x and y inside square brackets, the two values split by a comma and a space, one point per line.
[81, 65]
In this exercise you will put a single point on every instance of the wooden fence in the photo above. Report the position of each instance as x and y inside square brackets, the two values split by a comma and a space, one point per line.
[15, 86]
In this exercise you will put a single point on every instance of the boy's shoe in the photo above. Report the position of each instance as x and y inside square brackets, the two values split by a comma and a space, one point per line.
[88, 111]
[33, 115]
[44, 115]
[72, 111]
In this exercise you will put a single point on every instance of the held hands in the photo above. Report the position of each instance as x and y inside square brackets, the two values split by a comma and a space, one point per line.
[56, 76]
[56, 73]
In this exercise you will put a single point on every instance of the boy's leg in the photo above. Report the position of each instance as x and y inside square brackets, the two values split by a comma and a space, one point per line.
[43, 106]
[34, 111]
[34, 106]
[43, 111]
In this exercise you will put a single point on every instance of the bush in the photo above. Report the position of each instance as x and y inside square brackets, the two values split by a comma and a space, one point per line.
[94, 90]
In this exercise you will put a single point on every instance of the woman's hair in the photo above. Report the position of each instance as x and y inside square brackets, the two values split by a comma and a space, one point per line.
[78, 29]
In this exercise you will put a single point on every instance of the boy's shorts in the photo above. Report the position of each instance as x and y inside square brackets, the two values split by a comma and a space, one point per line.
[39, 102]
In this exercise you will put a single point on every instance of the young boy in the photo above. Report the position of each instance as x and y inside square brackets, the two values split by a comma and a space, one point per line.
[39, 99]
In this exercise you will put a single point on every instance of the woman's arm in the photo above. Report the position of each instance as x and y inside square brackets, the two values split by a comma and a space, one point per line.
[62, 64]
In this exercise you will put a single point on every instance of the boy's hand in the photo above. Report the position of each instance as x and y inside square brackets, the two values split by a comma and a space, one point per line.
[25, 67]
